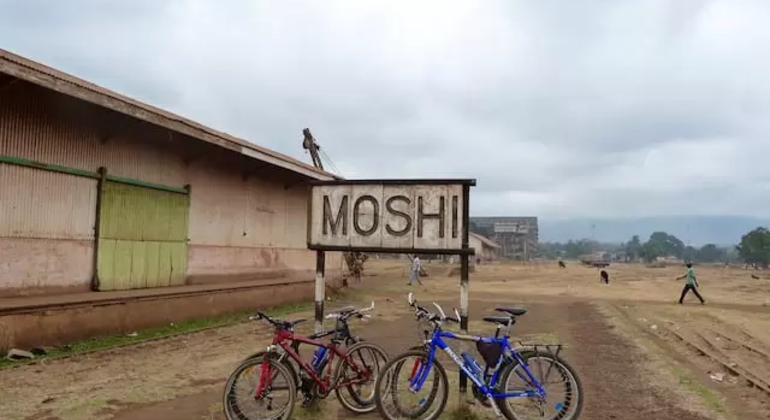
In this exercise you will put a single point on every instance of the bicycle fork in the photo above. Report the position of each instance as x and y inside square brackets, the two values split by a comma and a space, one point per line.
[265, 380]
[266, 376]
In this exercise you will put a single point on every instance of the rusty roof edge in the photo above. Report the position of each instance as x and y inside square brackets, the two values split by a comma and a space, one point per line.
[485, 240]
[50, 78]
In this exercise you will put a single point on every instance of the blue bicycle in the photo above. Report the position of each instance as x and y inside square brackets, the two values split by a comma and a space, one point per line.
[491, 385]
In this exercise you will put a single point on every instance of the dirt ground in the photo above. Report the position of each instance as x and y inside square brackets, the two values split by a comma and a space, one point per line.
[638, 353]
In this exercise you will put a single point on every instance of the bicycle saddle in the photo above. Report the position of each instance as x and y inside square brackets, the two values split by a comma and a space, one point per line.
[502, 320]
[512, 311]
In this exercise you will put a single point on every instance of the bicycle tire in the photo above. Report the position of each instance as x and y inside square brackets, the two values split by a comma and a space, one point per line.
[359, 405]
[397, 363]
[558, 363]
[235, 413]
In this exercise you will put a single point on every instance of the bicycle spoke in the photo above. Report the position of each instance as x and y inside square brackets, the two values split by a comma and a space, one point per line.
[555, 406]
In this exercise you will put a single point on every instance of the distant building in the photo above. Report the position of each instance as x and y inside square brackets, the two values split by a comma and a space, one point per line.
[486, 250]
[669, 259]
[518, 237]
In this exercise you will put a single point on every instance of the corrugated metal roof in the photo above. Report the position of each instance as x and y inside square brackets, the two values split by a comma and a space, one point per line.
[484, 240]
[42, 75]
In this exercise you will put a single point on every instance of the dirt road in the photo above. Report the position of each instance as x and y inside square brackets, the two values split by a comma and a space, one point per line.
[181, 378]
[610, 368]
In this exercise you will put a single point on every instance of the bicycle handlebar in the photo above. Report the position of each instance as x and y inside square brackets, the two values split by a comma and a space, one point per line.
[259, 316]
[358, 313]
[421, 312]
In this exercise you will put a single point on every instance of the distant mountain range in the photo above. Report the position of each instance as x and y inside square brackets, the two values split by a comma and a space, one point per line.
[695, 230]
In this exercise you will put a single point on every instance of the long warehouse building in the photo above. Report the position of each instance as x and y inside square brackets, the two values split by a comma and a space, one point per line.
[102, 193]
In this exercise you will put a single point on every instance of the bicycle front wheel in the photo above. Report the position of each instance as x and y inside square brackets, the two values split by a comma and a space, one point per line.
[259, 389]
[565, 393]
[392, 393]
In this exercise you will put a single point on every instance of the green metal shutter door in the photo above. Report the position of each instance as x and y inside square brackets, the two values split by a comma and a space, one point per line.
[142, 237]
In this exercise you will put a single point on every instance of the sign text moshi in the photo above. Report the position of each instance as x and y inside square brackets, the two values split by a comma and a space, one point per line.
[390, 216]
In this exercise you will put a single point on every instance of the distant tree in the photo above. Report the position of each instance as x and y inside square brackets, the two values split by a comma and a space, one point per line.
[690, 253]
[755, 247]
[652, 250]
[710, 253]
[551, 250]
[633, 248]
[661, 244]
[576, 249]
[732, 255]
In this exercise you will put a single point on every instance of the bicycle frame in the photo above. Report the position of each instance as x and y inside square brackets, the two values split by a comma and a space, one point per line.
[420, 374]
[287, 340]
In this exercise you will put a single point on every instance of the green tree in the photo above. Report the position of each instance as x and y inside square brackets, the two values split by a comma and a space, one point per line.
[710, 253]
[661, 244]
[755, 247]
[731, 255]
[633, 248]
[576, 249]
[652, 250]
[551, 250]
[690, 253]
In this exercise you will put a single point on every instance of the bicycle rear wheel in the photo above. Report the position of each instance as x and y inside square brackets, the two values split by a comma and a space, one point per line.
[273, 382]
[394, 380]
[369, 358]
[565, 393]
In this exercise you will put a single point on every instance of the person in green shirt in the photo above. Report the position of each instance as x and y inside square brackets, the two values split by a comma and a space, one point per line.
[691, 283]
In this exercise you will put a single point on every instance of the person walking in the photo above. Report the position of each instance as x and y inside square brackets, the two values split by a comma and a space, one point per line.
[415, 274]
[691, 283]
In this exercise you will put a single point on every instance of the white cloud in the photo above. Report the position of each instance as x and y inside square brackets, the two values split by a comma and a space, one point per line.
[559, 109]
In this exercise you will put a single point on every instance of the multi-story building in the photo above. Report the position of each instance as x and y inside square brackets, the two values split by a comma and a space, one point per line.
[517, 236]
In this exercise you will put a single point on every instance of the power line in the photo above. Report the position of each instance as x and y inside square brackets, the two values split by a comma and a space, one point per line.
[330, 161]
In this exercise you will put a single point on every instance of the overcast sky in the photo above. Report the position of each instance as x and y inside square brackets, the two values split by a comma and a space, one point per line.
[604, 108]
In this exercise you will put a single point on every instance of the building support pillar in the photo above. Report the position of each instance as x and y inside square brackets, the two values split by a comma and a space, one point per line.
[320, 290]
[464, 275]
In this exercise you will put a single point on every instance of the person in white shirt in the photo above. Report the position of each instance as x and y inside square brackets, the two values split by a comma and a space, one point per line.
[415, 274]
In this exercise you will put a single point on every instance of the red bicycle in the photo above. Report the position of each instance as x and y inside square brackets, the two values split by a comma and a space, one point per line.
[278, 381]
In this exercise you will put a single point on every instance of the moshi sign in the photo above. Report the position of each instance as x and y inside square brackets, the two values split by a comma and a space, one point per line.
[388, 215]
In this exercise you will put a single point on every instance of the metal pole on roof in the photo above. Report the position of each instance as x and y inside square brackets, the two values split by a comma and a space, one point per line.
[309, 144]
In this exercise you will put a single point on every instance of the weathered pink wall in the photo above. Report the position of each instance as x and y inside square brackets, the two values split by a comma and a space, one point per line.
[211, 264]
[41, 266]
[248, 229]
[46, 231]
